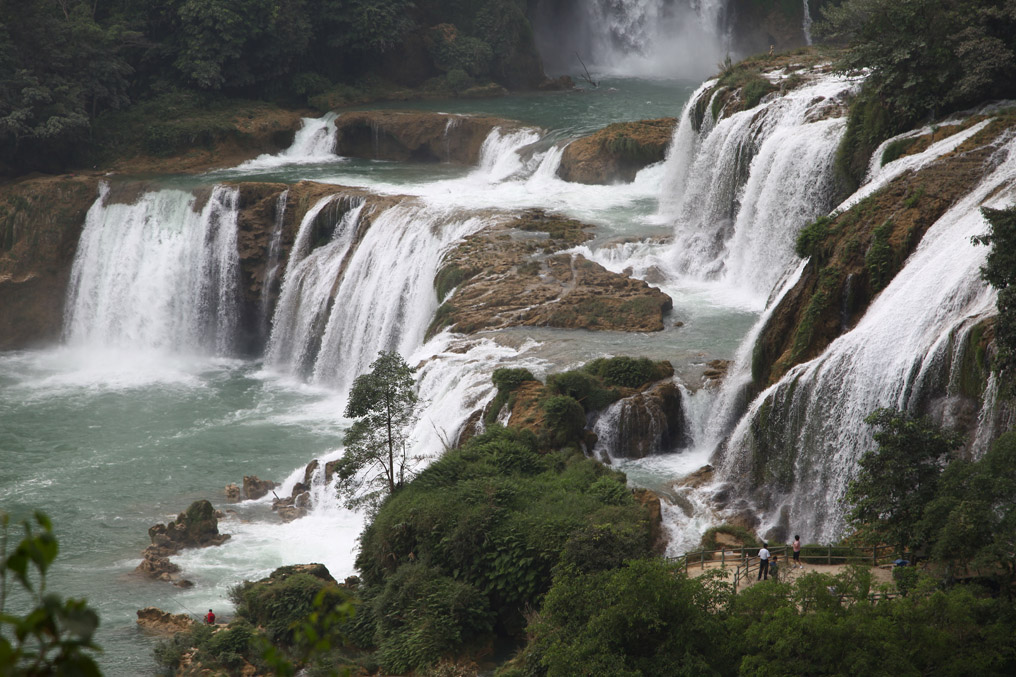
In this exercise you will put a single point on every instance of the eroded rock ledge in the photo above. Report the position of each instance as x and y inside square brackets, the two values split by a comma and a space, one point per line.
[617, 152]
[508, 275]
[415, 136]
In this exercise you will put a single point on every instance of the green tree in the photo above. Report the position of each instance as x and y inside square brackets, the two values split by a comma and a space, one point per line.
[55, 636]
[972, 520]
[645, 618]
[924, 58]
[377, 460]
[999, 270]
[896, 481]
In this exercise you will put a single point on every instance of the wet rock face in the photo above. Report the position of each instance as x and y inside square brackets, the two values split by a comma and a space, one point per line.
[415, 137]
[648, 423]
[254, 487]
[651, 502]
[616, 153]
[508, 275]
[158, 622]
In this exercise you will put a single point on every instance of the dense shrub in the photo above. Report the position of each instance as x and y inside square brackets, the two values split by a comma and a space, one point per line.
[565, 420]
[628, 372]
[584, 387]
[486, 522]
[506, 380]
[278, 602]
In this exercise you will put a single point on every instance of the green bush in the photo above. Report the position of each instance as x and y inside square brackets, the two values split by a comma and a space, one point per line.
[753, 91]
[278, 602]
[584, 387]
[495, 515]
[879, 258]
[565, 420]
[421, 615]
[812, 240]
[746, 537]
[628, 372]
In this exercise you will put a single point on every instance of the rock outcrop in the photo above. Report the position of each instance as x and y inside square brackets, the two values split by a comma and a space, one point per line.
[647, 423]
[415, 136]
[651, 502]
[41, 219]
[616, 153]
[508, 275]
[158, 622]
[255, 488]
[197, 527]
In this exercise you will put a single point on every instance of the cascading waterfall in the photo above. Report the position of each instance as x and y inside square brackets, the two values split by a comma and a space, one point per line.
[306, 297]
[797, 447]
[377, 294]
[313, 143]
[500, 155]
[677, 38]
[160, 274]
[746, 184]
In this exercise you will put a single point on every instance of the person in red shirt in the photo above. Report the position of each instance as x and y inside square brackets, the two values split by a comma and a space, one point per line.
[210, 618]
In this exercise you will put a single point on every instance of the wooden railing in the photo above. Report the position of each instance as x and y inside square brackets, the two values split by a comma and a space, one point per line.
[746, 563]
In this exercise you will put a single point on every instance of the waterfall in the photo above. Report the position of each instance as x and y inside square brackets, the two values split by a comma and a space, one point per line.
[369, 288]
[161, 273]
[313, 143]
[274, 251]
[307, 289]
[675, 38]
[744, 185]
[797, 447]
[500, 156]
[806, 24]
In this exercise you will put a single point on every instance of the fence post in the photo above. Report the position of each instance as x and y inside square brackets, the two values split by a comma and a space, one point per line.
[874, 556]
[829, 554]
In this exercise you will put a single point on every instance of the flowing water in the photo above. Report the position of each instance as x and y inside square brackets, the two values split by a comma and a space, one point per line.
[145, 406]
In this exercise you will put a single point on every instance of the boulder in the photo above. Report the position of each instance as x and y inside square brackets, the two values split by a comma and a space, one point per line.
[308, 473]
[197, 527]
[158, 622]
[254, 488]
[232, 493]
[616, 153]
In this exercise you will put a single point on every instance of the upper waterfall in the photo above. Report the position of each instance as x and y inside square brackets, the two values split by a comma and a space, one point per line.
[739, 189]
[643, 38]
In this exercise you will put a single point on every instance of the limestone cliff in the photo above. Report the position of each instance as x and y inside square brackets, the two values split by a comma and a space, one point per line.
[40, 222]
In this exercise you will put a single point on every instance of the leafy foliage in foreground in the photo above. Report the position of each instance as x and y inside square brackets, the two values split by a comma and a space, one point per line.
[55, 636]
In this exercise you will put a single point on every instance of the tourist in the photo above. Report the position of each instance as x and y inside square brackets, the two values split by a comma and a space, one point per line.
[797, 552]
[210, 618]
[774, 569]
[763, 562]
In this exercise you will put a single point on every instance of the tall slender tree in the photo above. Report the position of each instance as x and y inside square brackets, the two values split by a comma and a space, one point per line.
[376, 461]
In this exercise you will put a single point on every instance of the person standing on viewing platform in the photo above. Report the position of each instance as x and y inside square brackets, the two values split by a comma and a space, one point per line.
[797, 552]
[763, 562]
